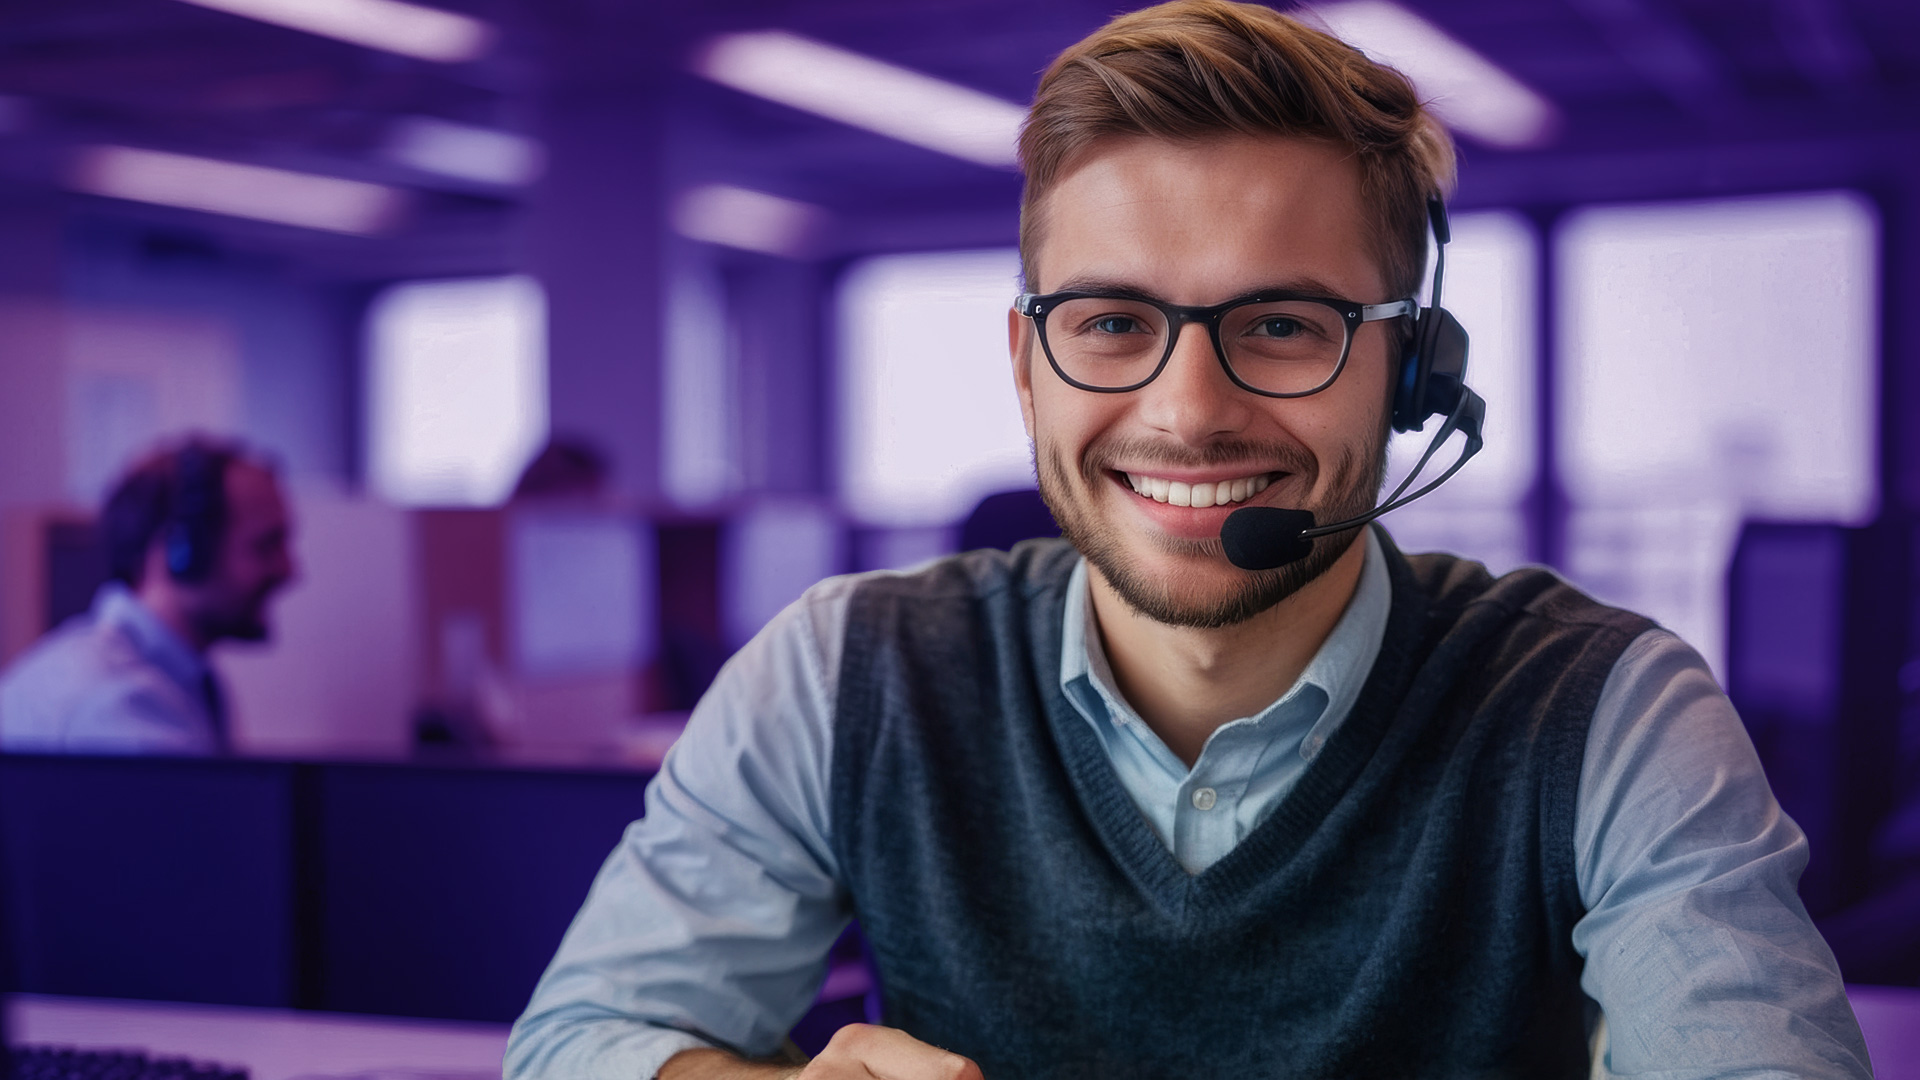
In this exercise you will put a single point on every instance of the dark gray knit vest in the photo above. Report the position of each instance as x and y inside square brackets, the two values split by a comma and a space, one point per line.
[1405, 911]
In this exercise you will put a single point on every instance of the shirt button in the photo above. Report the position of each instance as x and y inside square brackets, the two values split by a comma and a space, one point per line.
[1203, 798]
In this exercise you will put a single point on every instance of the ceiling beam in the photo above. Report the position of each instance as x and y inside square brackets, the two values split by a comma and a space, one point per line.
[1666, 53]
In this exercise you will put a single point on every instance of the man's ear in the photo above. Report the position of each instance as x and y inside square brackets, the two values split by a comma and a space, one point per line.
[1020, 349]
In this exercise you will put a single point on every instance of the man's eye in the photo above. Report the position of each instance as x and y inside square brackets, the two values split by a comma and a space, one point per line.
[1280, 326]
[1116, 324]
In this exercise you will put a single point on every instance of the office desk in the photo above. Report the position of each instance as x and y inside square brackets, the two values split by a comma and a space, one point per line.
[1890, 1019]
[274, 1044]
[281, 1044]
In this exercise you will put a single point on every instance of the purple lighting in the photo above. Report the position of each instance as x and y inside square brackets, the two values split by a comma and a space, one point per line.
[867, 93]
[749, 220]
[1468, 91]
[466, 152]
[388, 25]
[228, 187]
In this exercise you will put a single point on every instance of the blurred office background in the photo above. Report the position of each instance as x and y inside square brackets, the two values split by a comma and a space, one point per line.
[751, 260]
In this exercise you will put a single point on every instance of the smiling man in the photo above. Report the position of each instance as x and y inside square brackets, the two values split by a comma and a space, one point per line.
[1115, 807]
[198, 542]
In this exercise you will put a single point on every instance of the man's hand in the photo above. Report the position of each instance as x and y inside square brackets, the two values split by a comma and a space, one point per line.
[857, 1052]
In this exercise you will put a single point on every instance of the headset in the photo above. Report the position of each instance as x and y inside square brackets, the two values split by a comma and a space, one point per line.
[1432, 382]
[191, 535]
[1433, 367]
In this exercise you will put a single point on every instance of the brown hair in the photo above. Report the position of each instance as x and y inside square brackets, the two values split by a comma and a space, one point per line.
[1194, 68]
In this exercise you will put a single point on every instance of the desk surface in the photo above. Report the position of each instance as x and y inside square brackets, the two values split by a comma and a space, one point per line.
[280, 1044]
[1890, 1019]
[274, 1044]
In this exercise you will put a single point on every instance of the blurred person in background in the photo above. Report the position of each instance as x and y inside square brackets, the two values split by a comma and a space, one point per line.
[198, 541]
[566, 468]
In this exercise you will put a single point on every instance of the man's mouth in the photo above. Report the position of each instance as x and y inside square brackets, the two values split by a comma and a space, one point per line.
[1198, 494]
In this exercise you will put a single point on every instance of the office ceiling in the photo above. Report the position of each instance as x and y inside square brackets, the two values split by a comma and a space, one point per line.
[1626, 76]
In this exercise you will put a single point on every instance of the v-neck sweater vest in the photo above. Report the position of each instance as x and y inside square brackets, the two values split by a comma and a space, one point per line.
[1406, 909]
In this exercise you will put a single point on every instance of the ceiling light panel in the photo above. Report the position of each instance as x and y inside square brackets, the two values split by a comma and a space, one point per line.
[389, 25]
[1468, 92]
[866, 93]
[468, 153]
[750, 220]
[228, 187]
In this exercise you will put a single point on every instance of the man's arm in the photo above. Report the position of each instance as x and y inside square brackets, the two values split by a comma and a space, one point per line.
[710, 922]
[704, 937]
[1697, 946]
[138, 717]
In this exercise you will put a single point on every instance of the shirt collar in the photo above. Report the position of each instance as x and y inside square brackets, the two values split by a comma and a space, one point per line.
[1337, 670]
[116, 606]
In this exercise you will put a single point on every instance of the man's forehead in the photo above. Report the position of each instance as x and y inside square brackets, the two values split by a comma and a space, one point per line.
[1258, 211]
[253, 490]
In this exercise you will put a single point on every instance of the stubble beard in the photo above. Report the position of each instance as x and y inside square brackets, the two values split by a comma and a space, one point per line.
[1356, 485]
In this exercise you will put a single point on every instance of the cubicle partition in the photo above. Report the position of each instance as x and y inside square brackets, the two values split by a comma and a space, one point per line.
[402, 889]
[168, 879]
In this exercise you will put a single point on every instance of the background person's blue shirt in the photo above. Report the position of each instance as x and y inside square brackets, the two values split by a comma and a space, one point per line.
[114, 680]
[715, 912]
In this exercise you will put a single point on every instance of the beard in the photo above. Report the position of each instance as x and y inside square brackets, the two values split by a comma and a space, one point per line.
[235, 619]
[1355, 485]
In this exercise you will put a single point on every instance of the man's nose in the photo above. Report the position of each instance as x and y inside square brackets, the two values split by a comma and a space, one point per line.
[1192, 398]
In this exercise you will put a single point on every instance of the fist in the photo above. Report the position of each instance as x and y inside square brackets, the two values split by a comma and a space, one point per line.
[864, 1052]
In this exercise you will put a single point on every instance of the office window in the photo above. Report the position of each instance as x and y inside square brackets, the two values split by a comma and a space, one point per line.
[699, 464]
[456, 389]
[929, 419]
[1718, 365]
[1489, 287]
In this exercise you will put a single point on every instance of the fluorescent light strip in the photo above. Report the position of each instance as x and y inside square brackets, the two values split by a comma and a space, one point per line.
[866, 93]
[750, 220]
[470, 153]
[227, 187]
[1467, 91]
[389, 25]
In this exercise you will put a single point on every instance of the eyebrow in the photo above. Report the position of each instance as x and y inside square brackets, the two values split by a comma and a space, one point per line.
[1305, 285]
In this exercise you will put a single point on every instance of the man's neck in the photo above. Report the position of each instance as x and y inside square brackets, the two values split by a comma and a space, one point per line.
[166, 605]
[1186, 682]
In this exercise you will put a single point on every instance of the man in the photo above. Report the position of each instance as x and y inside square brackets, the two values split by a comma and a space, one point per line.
[198, 541]
[1116, 807]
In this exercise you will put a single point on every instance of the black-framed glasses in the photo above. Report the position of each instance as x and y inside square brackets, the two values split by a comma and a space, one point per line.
[1277, 344]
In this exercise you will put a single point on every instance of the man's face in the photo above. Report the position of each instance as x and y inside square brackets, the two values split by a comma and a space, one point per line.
[254, 559]
[1200, 223]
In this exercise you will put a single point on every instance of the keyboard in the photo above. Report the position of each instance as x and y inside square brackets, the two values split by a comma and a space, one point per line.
[66, 1063]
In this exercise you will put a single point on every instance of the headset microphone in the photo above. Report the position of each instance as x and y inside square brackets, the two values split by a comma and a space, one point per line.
[1431, 383]
[1268, 537]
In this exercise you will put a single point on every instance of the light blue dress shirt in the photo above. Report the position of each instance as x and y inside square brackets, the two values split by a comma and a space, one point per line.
[113, 681]
[714, 914]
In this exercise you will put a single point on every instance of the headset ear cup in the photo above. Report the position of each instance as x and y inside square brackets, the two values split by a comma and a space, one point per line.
[1440, 349]
[1411, 393]
[1446, 348]
[180, 552]
[188, 540]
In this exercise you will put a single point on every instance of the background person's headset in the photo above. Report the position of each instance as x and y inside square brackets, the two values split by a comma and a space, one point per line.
[190, 537]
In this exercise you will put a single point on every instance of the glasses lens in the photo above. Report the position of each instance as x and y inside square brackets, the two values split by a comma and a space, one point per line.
[1106, 342]
[1284, 346]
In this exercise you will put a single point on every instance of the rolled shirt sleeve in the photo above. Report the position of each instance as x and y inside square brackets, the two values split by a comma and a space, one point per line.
[1697, 947]
[710, 923]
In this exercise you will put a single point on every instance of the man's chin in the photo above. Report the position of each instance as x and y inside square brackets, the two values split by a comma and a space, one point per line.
[1198, 588]
[255, 631]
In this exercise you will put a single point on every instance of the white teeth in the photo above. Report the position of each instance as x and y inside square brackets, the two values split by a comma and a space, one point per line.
[1200, 495]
